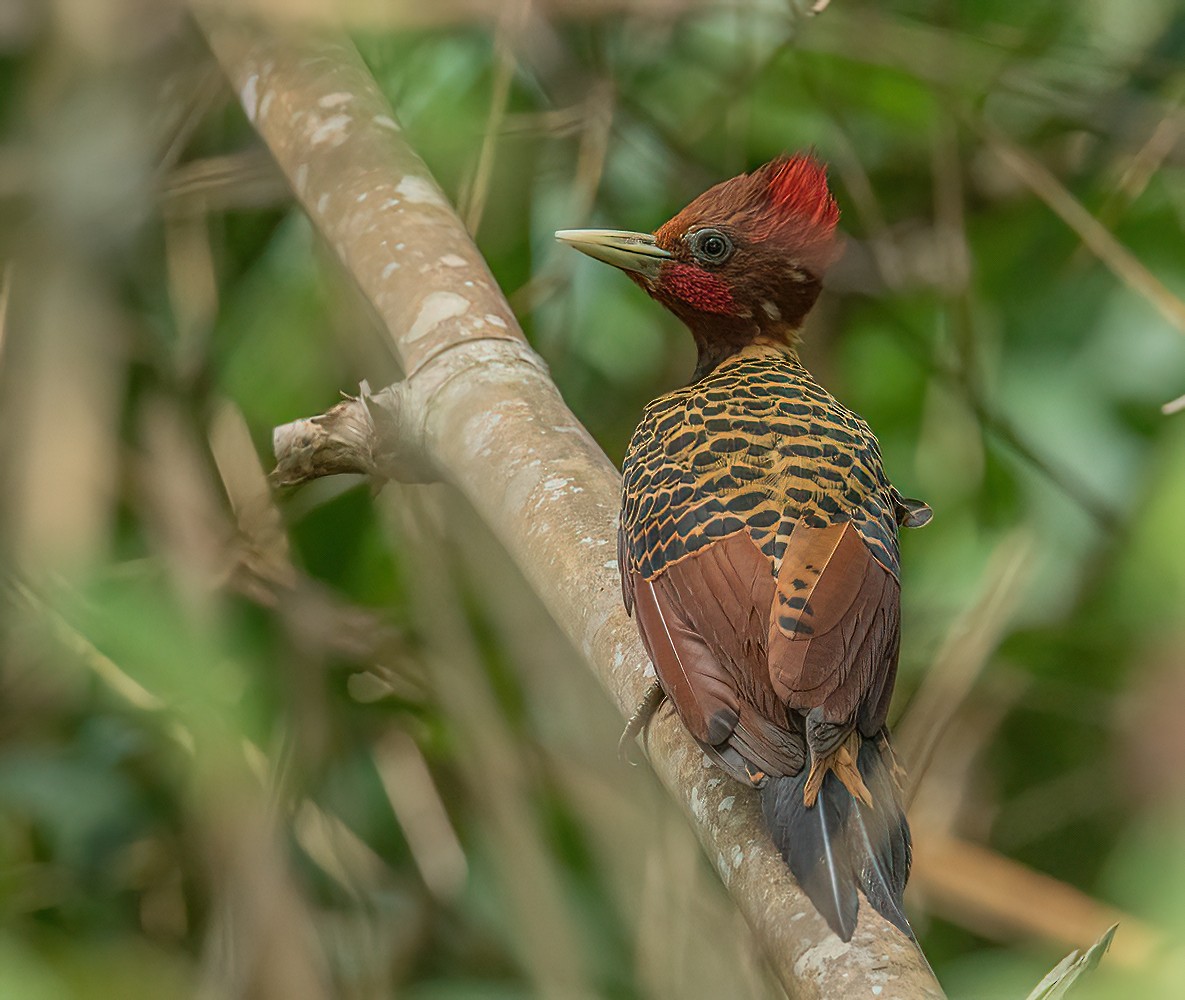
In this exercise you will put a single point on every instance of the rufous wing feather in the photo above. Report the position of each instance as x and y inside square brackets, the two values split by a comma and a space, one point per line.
[701, 689]
[712, 608]
[834, 624]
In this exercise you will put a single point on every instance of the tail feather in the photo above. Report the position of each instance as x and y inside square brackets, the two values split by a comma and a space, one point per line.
[811, 841]
[885, 837]
[839, 845]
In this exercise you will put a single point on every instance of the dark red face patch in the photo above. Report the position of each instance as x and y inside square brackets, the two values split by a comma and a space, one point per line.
[697, 288]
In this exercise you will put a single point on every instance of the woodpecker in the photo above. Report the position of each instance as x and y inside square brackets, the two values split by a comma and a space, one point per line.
[758, 537]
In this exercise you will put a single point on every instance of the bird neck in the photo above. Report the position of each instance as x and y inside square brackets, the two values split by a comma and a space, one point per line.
[719, 345]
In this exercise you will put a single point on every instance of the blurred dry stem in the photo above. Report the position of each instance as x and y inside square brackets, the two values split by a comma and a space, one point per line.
[1094, 235]
[261, 569]
[1002, 898]
[5, 292]
[260, 526]
[493, 765]
[59, 491]
[511, 24]
[1165, 137]
[950, 862]
[33, 607]
[964, 655]
[231, 181]
[538, 479]
[198, 92]
[422, 815]
[261, 941]
[193, 286]
[1175, 406]
[339, 852]
[594, 121]
[409, 14]
[885, 253]
[182, 509]
[964, 881]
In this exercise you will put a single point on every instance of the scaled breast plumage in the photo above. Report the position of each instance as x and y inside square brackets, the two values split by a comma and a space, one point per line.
[757, 445]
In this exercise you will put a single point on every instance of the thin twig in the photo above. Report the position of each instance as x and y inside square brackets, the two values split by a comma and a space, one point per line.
[999, 426]
[963, 656]
[510, 25]
[1097, 238]
[1175, 406]
[5, 295]
[1000, 897]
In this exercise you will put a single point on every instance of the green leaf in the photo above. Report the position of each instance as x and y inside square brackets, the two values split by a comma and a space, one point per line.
[1067, 972]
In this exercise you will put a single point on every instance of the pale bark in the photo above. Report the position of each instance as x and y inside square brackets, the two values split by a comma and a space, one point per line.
[479, 409]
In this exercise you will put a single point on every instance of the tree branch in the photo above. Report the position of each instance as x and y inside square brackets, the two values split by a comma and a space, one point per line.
[479, 407]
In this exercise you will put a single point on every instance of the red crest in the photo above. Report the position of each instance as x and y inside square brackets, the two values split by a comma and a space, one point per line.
[797, 185]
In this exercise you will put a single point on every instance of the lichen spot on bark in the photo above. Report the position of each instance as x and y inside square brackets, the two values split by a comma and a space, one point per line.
[436, 308]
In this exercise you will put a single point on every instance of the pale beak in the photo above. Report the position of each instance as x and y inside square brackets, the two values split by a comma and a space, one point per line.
[629, 251]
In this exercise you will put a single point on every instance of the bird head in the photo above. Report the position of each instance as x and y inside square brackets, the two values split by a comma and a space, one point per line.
[742, 264]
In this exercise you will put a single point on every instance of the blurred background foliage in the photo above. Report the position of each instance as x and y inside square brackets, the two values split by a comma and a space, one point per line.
[331, 746]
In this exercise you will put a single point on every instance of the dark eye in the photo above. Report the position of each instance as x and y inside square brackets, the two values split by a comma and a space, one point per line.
[711, 246]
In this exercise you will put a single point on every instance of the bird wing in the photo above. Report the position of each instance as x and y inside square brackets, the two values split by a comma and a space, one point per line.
[623, 568]
[704, 621]
[834, 629]
[735, 647]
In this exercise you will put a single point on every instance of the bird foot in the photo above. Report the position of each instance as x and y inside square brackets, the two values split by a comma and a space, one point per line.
[649, 704]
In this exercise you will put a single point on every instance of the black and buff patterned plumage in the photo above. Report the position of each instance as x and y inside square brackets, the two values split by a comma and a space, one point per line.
[756, 444]
[758, 539]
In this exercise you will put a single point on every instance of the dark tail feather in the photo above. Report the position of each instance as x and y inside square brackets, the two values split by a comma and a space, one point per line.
[883, 836]
[839, 844]
[811, 841]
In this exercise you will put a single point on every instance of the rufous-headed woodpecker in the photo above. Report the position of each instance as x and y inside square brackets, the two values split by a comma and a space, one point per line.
[758, 540]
